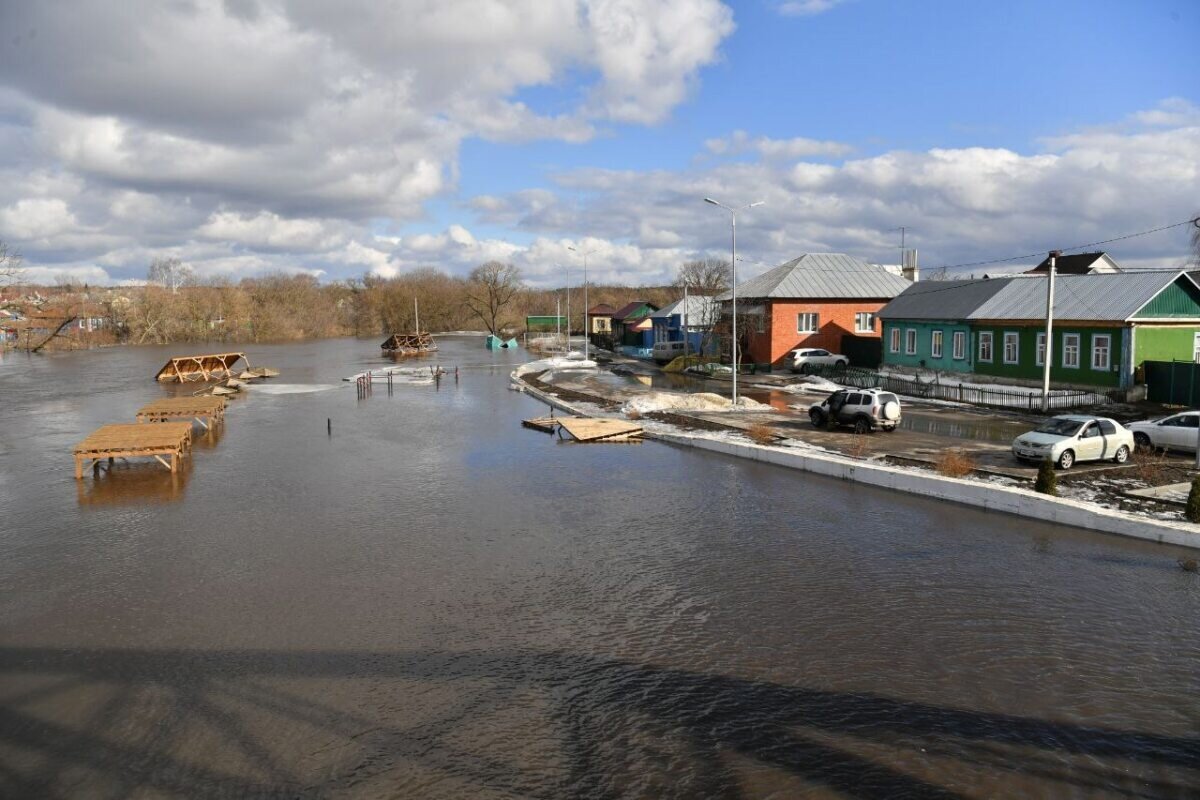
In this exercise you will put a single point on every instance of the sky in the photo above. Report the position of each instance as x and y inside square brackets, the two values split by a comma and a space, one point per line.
[366, 136]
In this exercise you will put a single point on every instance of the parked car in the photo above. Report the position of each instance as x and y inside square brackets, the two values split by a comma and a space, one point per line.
[1071, 438]
[804, 359]
[865, 409]
[666, 352]
[1176, 432]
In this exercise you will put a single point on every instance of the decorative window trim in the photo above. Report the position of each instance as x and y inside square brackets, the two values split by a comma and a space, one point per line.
[1039, 352]
[987, 336]
[1016, 339]
[910, 341]
[894, 341]
[1068, 337]
[1107, 337]
[936, 343]
[958, 344]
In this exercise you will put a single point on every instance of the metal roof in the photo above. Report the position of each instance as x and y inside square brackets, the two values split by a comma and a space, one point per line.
[699, 307]
[943, 300]
[624, 311]
[1100, 297]
[824, 275]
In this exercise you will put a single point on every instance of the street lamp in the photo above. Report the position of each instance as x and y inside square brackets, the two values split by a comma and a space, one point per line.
[585, 254]
[733, 263]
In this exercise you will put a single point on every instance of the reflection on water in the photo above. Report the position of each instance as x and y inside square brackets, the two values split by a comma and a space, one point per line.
[978, 430]
[413, 596]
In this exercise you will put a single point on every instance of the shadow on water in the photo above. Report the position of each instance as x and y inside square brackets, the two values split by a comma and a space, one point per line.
[614, 724]
[134, 483]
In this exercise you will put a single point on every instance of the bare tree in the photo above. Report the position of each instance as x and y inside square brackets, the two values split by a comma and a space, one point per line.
[708, 277]
[490, 289]
[10, 264]
[170, 273]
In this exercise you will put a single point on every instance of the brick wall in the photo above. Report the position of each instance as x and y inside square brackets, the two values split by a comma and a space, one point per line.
[836, 319]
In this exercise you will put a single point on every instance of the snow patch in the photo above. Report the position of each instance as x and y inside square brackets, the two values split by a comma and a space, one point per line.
[700, 401]
[557, 362]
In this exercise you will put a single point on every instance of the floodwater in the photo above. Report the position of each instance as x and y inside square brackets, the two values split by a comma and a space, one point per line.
[435, 602]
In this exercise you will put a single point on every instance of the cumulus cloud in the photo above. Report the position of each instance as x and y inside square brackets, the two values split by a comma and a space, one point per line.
[799, 147]
[805, 8]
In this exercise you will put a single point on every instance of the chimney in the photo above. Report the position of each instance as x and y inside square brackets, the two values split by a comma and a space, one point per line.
[909, 268]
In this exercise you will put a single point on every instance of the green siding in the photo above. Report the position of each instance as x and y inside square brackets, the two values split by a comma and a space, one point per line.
[924, 330]
[1027, 367]
[1163, 344]
[1179, 300]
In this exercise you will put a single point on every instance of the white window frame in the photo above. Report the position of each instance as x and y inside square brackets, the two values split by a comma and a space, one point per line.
[894, 342]
[1039, 357]
[870, 327]
[1015, 338]
[910, 341]
[1107, 365]
[1196, 347]
[800, 320]
[936, 341]
[1066, 342]
[988, 337]
[958, 344]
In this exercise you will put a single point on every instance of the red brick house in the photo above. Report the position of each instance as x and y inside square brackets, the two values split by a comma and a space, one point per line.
[811, 301]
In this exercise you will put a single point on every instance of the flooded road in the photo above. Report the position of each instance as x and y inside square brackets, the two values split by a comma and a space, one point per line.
[434, 602]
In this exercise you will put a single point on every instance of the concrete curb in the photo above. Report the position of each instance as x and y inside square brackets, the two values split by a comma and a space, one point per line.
[1058, 510]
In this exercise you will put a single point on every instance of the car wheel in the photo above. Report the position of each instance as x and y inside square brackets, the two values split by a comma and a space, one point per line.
[805, 369]
[862, 425]
[840, 364]
[890, 429]
[1141, 440]
[817, 417]
[1122, 455]
[1067, 459]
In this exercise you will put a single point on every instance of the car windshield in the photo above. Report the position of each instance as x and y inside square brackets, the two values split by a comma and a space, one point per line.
[1060, 427]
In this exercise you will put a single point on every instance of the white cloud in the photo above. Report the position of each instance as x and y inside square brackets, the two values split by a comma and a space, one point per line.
[806, 8]
[740, 142]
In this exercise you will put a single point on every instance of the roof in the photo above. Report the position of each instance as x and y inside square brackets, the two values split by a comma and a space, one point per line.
[1077, 264]
[604, 309]
[1100, 297]
[944, 300]
[824, 275]
[698, 308]
[626, 310]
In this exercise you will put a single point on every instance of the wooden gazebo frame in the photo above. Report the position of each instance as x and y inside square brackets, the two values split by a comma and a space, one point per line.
[210, 367]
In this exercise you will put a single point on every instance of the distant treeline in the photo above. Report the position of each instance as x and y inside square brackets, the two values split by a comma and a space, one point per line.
[291, 307]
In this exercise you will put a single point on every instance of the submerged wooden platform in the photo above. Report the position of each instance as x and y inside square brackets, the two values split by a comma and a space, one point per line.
[543, 424]
[205, 410]
[135, 440]
[592, 429]
[207, 367]
[407, 344]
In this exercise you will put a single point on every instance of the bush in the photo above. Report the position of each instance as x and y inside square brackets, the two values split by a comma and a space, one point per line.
[955, 464]
[761, 434]
[1047, 479]
[1192, 510]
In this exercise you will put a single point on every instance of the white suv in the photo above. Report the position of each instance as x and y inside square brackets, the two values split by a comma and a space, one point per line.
[865, 409]
[804, 358]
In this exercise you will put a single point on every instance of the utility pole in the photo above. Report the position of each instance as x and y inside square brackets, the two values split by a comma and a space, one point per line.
[417, 316]
[586, 322]
[1049, 355]
[733, 265]
[685, 321]
[557, 320]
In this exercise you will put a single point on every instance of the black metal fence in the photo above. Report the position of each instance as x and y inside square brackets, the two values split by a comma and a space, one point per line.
[1175, 383]
[991, 397]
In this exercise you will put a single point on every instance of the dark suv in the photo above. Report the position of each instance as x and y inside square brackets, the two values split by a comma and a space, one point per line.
[864, 409]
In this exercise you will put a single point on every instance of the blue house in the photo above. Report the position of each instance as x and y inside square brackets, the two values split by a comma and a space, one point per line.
[697, 314]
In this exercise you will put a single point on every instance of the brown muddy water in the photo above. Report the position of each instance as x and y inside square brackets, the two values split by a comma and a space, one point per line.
[434, 602]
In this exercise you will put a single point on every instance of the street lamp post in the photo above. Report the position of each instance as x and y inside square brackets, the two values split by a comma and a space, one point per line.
[733, 263]
[585, 254]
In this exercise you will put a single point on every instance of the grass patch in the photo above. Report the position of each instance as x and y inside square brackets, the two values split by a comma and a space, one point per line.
[761, 434]
[954, 463]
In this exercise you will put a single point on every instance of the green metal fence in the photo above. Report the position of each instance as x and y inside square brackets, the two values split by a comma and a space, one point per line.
[1175, 383]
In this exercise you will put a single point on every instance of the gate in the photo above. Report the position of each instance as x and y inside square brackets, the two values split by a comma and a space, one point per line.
[1175, 383]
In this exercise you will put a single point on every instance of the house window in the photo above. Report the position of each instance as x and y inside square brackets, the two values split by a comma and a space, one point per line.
[1071, 350]
[910, 342]
[1012, 341]
[894, 345]
[935, 344]
[985, 347]
[808, 322]
[1101, 352]
[1196, 347]
[960, 345]
[1041, 350]
[864, 322]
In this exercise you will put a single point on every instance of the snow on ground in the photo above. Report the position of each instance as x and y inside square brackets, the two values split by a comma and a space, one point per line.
[806, 385]
[700, 401]
[288, 388]
[558, 362]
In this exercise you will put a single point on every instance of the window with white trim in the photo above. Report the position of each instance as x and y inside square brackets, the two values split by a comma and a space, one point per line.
[1102, 352]
[935, 344]
[985, 346]
[960, 345]
[808, 322]
[1196, 347]
[894, 345]
[1070, 358]
[1012, 347]
[864, 322]
[910, 342]
[1040, 356]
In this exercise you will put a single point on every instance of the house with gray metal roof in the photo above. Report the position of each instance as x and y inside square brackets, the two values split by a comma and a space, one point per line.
[817, 300]
[1106, 325]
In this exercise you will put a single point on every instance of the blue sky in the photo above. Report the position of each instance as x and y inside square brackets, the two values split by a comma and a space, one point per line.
[274, 135]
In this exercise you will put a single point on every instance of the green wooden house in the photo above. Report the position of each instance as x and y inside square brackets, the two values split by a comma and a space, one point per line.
[1106, 325]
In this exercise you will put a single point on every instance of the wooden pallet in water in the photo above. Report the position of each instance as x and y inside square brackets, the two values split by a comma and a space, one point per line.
[135, 440]
[595, 429]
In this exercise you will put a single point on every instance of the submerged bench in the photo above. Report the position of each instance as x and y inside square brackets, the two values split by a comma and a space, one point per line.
[204, 409]
[134, 440]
